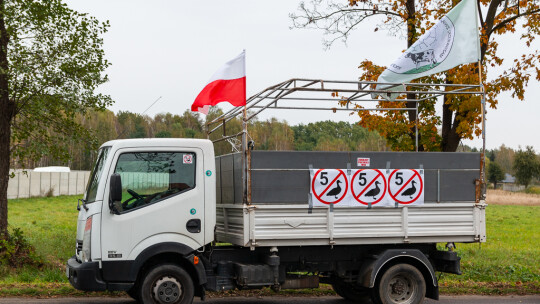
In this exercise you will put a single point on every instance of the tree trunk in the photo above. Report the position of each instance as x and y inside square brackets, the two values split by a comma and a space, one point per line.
[411, 38]
[5, 135]
[450, 138]
[6, 115]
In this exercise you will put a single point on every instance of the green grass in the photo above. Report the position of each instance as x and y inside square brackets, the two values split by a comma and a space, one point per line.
[50, 225]
[510, 259]
[508, 263]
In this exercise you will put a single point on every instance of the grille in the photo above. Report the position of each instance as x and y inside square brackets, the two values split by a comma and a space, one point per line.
[78, 249]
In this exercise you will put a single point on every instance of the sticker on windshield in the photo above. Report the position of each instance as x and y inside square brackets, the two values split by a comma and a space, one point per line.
[188, 159]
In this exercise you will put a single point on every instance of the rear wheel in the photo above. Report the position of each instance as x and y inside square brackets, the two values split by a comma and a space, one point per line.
[350, 292]
[400, 284]
[166, 284]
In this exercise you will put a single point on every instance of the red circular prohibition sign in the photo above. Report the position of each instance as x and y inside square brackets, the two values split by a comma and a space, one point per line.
[404, 185]
[356, 197]
[318, 196]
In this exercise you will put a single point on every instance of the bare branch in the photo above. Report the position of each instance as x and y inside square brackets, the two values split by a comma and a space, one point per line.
[505, 22]
[337, 20]
[480, 13]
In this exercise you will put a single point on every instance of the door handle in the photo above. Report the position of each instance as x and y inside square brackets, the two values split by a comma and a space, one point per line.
[194, 225]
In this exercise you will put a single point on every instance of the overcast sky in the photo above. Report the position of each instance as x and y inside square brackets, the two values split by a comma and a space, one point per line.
[171, 48]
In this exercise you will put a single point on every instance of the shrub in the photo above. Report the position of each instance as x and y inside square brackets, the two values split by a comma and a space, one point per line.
[533, 190]
[49, 193]
[15, 250]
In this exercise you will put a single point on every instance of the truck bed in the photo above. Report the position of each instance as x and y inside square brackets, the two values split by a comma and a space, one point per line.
[278, 213]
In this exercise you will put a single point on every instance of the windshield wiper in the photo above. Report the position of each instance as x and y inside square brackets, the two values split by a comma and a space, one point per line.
[83, 204]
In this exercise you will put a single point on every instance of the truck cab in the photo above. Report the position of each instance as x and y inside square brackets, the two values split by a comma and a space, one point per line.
[165, 203]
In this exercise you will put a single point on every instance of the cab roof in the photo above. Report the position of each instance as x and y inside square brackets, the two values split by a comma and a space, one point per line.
[159, 142]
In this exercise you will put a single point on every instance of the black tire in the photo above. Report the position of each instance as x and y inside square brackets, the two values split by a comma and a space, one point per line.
[166, 284]
[133, 292]
[400, 284]
[351, 292]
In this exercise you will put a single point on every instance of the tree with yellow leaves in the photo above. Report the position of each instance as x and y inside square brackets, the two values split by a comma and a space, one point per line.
[461, 114]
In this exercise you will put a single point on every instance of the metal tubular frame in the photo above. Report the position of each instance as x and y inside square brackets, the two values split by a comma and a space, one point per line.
[360, 92]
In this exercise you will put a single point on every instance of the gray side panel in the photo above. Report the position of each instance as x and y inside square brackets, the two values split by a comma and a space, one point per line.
[227, 179]
[286, 187]
[458, 185]
[411, 160]
[280, 187]
[298, 159]
[218, 180]
[430, 189]
[398, 160]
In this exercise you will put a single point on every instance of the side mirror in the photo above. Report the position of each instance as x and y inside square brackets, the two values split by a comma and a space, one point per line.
[115, 192]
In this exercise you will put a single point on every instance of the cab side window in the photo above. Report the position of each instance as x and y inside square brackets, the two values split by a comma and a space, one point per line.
[149, 177]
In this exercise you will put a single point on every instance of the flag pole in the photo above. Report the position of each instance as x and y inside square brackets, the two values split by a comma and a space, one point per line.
[245, 147]
[483, 105]
[483, 109]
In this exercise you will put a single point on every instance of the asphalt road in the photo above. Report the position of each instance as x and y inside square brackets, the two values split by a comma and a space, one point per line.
[283, 300]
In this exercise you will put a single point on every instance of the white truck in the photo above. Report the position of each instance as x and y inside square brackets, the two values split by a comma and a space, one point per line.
[166, 220]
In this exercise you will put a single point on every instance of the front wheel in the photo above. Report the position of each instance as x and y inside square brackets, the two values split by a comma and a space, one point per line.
[400, 284]
[167, 284]
[351, 292]
[133, 292]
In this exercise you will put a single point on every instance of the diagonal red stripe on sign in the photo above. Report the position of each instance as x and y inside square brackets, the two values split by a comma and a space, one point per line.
[408, 181]
[329, 185]
[367, 187]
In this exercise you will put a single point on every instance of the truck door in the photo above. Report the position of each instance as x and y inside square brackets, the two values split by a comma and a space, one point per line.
[162, 201]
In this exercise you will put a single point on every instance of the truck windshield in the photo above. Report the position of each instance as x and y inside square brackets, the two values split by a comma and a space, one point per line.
[95, 175]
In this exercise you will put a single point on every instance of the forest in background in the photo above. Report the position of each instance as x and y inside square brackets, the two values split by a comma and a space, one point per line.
[271, 134]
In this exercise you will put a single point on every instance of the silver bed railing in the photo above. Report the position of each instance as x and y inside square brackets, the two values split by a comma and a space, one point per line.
[336, 95]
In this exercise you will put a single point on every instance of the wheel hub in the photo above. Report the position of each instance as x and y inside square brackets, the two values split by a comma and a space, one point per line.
[398, 287]
[402, 289]
[167, 290]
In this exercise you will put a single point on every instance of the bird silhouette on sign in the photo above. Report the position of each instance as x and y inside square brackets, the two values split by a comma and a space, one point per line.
[410, 191]
[375, 191]
[335, 191]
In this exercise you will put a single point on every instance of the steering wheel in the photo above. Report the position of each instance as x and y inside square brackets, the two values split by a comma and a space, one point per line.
[134, 194]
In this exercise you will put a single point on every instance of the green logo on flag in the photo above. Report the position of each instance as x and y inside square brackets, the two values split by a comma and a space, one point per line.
[429, 51]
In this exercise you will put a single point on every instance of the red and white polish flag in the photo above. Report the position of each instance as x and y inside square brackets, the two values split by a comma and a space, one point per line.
[227, 84]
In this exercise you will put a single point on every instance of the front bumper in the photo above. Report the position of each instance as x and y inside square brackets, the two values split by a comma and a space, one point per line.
[85, 276]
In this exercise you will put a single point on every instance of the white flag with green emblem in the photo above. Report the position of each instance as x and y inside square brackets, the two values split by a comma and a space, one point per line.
[454, 40]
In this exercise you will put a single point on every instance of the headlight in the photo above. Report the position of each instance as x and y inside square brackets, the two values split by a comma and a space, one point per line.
[85, 253]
